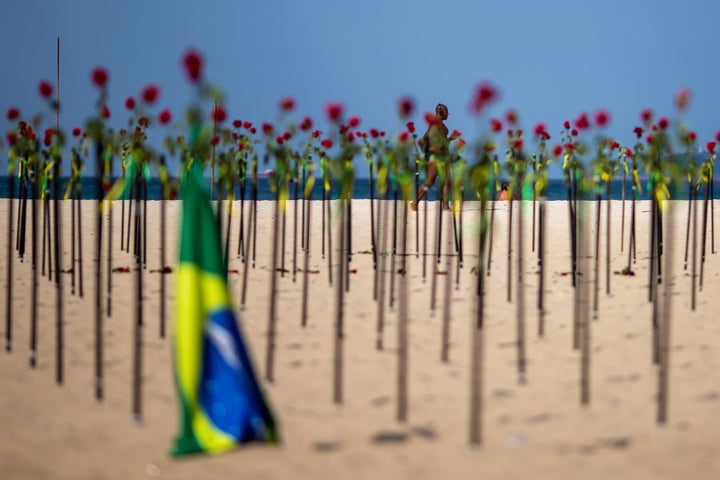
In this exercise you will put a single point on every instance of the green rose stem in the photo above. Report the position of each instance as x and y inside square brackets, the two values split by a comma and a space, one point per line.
[76, 205]
[493, 207]
[296, 181]
[251, 223]
[122, 211]
[140, 213]
[663, 372]
[241, 234]
[254, 193]
[307, 195]
[22, 218]
[380, 273]
[73, 220]
[163, 200]
[707, 175]
[33, 162]
[108, 165]
[44, 194]
[481, 175]
[98, 276]
[622, 216]
[9, 276]
[582, 294]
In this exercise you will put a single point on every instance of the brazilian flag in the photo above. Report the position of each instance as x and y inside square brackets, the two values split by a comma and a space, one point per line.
[220, 399]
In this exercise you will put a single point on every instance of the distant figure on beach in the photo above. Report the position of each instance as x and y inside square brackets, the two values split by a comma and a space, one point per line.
[504, 193]
[435, 145]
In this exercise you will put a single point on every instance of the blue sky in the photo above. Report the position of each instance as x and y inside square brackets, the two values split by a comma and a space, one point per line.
[550, 60]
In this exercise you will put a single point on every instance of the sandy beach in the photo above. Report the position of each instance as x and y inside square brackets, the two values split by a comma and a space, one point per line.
[533, 430]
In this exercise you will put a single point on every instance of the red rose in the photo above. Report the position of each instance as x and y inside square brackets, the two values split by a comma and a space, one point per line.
[99, 77]
[287, 136]
[11, 138]
[279, 140]
[76, 132]
[614, 145]
[267, 128]
[306, 124]
[47, 140]
[496, 125]
[403, 137]
[164, 117]
[247, 125]
[45, 88]
[327, 143]
[13, 113]
[557, 150]
[711, 147]
[539, 129]
[410, 127]
[582, 121]
[150, 93]
[105, 112]
[717, 136]
[405, 107]
[214, 140]
[374, 133]
[638, 132]
[316, 133]
[484, 95]
[287, 104]
[518, 144]
[219, 115]
[691, 136]
[193, 62]
[334, 111]
[511, 117]
[663, 123]
[682, 99]
[650, 139]
[382, 133]
[569, 147]
[253, 130]
[646, 115]
[350, 137]
[566, 124]
[343, 128]
[129, 103]
[237, 123]
[354, 121]
[628, 153]
[602, 117]
[455, 134]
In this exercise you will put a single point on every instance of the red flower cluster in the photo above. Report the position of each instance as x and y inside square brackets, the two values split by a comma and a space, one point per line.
[484, 95]
[193, 63]
[99, 77]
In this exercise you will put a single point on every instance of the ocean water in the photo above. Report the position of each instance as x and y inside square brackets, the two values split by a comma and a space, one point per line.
[557, 190]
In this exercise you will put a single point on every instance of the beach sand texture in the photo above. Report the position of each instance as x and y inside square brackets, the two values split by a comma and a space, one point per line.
[532, 430]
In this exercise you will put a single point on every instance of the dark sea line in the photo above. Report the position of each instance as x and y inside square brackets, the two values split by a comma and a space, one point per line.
[556, 190]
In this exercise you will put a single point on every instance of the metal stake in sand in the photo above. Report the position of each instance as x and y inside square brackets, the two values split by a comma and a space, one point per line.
[140, 212]
[33, 169]
[382, 215]
[339, 310]
[307, 195]
[272, 316]
[163, 201]
[246, 266]
[241, 251]
[403, 334]
[108, 306]
[445, 346]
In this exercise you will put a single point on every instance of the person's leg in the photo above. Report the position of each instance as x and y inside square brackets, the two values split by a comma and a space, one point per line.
[432, 173]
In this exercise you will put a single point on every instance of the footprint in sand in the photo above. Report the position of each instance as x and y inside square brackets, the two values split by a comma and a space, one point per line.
[326, 447]
[390, 437]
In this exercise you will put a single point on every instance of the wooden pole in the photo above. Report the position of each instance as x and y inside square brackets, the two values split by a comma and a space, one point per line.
[98, 276]
[272, 317]
[339, 310]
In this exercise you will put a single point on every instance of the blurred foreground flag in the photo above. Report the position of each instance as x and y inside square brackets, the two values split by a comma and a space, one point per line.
[220, 400]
